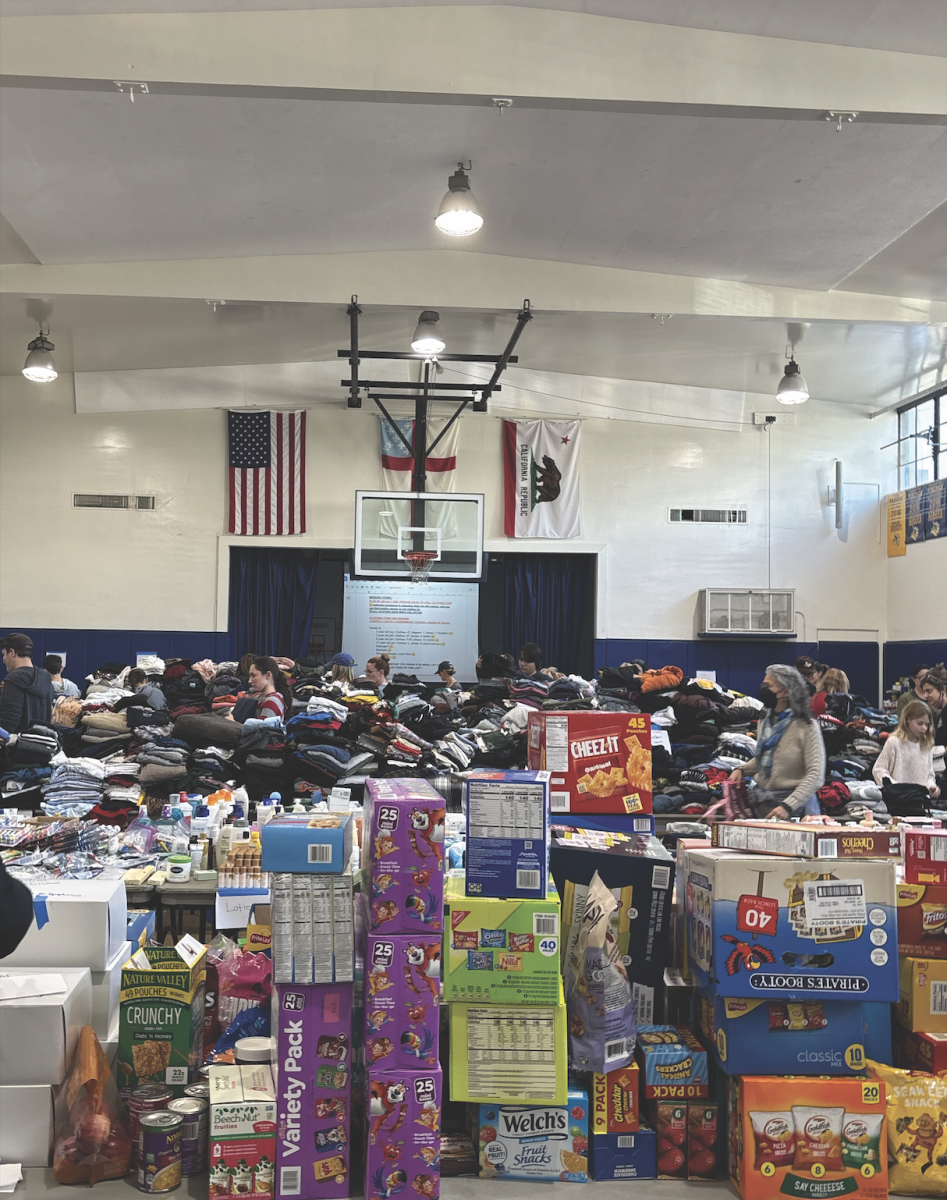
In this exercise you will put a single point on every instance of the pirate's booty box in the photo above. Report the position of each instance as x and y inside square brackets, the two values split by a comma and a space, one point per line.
[776, 928]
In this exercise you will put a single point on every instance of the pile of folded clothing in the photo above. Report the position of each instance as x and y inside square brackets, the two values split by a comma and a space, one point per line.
[210, 769]
[222, 692]
[530, 690]
[260, 756]
[183, 689]
[163, 762]
[74, 788]
[35, 747]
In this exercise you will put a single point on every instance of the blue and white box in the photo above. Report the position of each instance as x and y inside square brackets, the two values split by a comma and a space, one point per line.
[544, 1142]
[316, 844]
[507, 833]
[625, 1155]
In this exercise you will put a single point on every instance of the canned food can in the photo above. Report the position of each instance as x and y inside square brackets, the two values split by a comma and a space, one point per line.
[199, 1090]
[194, 1139]
[148, 1097]
[204, 1073]
[159, 1151]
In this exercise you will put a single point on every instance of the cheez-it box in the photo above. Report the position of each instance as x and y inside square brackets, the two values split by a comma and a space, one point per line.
[599, 762]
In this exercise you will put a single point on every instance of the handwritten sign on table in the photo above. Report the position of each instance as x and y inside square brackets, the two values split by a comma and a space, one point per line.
[232, 910]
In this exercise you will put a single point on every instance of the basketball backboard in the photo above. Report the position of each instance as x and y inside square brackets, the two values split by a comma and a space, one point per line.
[450, 524]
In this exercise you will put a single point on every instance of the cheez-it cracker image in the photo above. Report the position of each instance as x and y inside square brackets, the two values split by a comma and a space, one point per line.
[599, 762]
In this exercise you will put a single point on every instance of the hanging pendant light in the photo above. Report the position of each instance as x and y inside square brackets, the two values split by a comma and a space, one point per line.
[39, 366]
[427, 337]
[792, 387]
[459, 214]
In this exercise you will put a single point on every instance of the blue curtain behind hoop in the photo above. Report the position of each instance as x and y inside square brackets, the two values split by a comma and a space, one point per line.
[545, 601]
[272, 597]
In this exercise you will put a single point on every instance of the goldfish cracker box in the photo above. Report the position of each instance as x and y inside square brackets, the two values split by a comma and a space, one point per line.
[549, 1142]
[403, 847]
[242, 1134]
[792, 929]
[404, 1134]
[816, 1137]
[922, 920]
[599, 762]
[402, 986]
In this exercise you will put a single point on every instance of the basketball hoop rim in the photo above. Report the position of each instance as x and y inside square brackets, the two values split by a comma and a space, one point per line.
[420, 562]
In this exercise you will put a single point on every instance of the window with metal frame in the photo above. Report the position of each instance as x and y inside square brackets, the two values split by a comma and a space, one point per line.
[922, 440]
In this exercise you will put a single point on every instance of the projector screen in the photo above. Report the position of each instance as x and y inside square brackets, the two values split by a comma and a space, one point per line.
[417, 625]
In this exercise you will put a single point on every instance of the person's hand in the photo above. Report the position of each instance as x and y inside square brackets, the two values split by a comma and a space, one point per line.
[735, 776]
[779, 813]
[284, 664]
[934, 791]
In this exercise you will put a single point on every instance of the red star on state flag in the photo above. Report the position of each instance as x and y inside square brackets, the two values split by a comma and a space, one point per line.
[565, 441]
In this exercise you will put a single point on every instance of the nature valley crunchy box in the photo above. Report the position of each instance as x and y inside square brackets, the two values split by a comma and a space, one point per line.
[161, 1016]
[599, 762]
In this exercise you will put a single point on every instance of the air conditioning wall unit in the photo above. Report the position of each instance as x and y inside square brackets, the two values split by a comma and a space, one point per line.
[746, 613]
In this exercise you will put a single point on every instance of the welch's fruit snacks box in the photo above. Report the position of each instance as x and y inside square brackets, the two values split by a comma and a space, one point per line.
[403, 848]
[518, 1141]
[312, 1024]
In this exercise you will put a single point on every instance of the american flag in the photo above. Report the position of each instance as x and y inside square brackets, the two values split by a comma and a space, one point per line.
[267, 459]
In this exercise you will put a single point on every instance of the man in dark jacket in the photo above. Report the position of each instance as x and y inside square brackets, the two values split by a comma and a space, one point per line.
[27, 697]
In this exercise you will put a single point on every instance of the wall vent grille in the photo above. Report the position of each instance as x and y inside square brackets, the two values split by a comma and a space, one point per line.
[145, 502]
[100, 500]
[707, 516]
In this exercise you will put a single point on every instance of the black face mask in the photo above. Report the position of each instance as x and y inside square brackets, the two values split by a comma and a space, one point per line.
[768, 697]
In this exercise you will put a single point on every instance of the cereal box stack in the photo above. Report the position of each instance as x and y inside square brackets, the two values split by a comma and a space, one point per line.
[403, 853]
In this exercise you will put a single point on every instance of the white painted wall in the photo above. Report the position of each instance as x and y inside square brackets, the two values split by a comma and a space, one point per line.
[62, 567]
[917, 593]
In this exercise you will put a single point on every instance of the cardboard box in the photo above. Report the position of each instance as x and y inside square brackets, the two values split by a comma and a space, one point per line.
[507, 833]
[402, 993]
[508, 1054]
[624, 1155]
[795, 1152]
[79, 923]
[313, 1080]
[679, 924]
[616, 1106]
[317, 844]
[141, 926]
[788, 839]
[38, 1033]
[500, 951]
[811, 1037]
[705, 1145]
[789, 929]
[242, 1133]
[404, 1132]
[547, 1142]
[922, 1006]
[313, 929]
[27, 1124]
[922, 920]
[925, 856]
[669, 1119]
[640, 872]
[599, 762]
[106, 988]
[161, 1014]
[919, 1051]
[404, 850]
[673, 1063]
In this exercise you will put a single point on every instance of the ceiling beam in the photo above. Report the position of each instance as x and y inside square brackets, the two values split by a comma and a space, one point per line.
[460, 279]
[468, 55]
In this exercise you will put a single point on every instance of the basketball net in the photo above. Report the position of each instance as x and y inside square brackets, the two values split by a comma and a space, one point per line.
[420, 563]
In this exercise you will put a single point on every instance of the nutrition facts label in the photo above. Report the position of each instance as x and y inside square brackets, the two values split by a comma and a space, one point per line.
[506, 810]
[511, 1052]
[557, 743]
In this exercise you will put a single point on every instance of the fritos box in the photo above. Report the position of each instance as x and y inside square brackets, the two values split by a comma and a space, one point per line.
[599, 762]
[922, 920]
[615, 1103]
[815, 1137]
[925, 856]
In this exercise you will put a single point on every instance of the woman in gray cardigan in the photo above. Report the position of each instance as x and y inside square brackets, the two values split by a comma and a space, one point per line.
[789, 765]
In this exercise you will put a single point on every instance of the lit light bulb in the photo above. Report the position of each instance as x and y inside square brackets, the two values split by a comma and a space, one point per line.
[427, 338]
[459, 214]
[39, 366]
[792, 387]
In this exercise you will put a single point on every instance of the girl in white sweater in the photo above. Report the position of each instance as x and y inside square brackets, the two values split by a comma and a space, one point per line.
[908, 754]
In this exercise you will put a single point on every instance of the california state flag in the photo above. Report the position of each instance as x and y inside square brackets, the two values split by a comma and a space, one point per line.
[541, 477]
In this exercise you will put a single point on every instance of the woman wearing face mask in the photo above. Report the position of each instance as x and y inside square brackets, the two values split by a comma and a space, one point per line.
[789, 766]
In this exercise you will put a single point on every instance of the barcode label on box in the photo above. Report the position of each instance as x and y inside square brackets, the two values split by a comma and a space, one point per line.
[290, 1181]
[528, 881]
[827, 848]
[616, 1049]
[642, 825]
[559, 801]
[546, 924]
[319, 853]
[938, 847]
[938, 998]
[626, 1141]
[661, 878]
[835, 903]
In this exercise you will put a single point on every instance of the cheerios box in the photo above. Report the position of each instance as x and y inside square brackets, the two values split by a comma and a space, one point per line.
[500, 951]
[790, 928]
[922, 920]
[520, 1141]
[598, 762]
[816, 1137]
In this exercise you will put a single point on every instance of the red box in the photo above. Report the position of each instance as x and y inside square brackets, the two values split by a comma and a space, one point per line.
[922, 920]
[615, 1103]
[600, 762]
[919, 1051]
[669, 1120]
[925, 856]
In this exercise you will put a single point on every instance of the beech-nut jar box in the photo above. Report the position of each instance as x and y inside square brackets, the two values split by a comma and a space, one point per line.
[922, 920]
[507, 833]
[790, 928]
[598, 762]
[404, 1133]
[403, 847]
[312, 1024]
[242, 1132]
[402, 992]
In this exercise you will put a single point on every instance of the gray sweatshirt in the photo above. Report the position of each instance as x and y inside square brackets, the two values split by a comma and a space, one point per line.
[798, 763]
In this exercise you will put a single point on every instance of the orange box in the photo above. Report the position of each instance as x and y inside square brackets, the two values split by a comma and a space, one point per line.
[922, 920]
[615, 1103]
[817, 1137]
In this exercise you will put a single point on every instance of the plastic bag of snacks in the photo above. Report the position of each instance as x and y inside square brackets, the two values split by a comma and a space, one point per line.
[92, 1142]
[917, 1130]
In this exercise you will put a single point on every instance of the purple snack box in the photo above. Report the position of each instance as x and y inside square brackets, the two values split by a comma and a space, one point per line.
[313, 1026]
[402, 989]
[404, 1134]
[405, 851]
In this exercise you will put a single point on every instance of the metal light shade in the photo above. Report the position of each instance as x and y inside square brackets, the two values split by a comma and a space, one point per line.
[459, 214]
[39, 366]
[427, 338]
[792, 387]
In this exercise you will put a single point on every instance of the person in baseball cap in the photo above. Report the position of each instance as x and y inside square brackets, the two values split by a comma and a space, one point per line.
[343, 668]
[448, 672]
[27, 697]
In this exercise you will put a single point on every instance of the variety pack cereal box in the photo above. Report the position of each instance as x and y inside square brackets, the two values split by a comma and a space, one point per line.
[404, 847]
[548, 1142]
[404, 1133]
[402, 982]
[598, 762]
